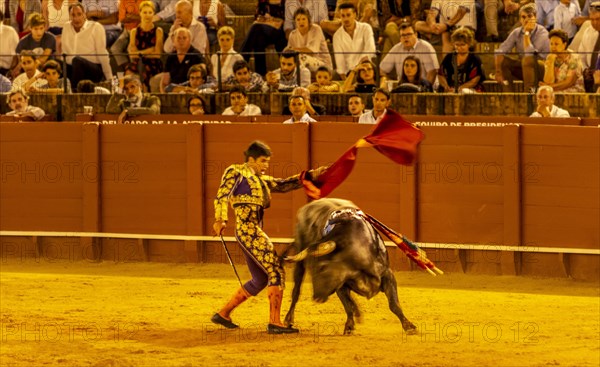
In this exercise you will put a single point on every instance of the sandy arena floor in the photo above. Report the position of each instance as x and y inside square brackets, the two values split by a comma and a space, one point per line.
[149, 314]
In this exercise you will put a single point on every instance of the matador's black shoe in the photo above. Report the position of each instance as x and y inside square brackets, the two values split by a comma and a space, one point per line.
[218, 319]
[276, 329]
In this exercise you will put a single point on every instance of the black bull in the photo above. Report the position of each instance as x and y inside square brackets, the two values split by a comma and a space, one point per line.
[359, 262]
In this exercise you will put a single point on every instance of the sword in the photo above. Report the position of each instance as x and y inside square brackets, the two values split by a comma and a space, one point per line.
[230, 260]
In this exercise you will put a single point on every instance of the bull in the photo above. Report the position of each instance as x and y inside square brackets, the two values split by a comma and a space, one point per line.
[358, 262]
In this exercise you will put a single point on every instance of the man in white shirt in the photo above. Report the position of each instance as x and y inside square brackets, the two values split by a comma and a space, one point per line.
[31, 76]
[84, 42]
[564, 16]
[9, 40]
[353, 42]
[298, 109]
[410, 45]
[546, 107]
[356, 106]
[19, 104]
[239, 104]
[184, 18]
[381, 101]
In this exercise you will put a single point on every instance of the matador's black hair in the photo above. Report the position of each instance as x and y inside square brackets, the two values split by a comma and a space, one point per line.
[257, 149]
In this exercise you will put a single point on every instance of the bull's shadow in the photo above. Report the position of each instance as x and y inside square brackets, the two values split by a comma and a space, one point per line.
[358, 263]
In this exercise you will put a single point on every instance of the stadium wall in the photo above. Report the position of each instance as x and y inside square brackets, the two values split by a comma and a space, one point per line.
[474, 190]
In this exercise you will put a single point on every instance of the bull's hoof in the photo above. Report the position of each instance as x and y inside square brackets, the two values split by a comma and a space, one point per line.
[409, 328]
[220, 320]
[348, 330]
[276, 329]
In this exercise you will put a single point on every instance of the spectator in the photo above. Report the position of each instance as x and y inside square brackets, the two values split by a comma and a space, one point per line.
[564, 17]
[197, 82]
[356, 106]
[196, 105]
[52, 72]
[563, 69]
[242, 76]
[9, 40]
[285, 78]
[166, 14]
[323, 83]
[19, 104]
[84, 42]
[366, 10]
[179, 62]
[308, 40]
[318, 9]
[546, 107]
[530, 41]
[39, 41]
[145, 45]
[184, 19]
[312, 109]
[228, 57]
[585, 14]
[412, 80]
[362, 78]
[410, 45]
[20, 10]
[31, 76]
[381, 101]
[590, 46]
[239, 104]
[212, 15]
[469, 75]
[266, 30]
[56, 14]
[134, 102]
[105, 13]
[545, 12]
[5, 84]
[88, 86]
[391, 16]
[437, 23]
[490, 13]
[353, 42]
[129, 17]
[298, 109]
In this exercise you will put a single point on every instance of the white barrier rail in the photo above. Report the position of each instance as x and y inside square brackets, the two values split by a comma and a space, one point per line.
[427, 245]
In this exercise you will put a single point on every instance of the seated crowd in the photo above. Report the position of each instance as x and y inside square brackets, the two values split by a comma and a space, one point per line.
[137, 47]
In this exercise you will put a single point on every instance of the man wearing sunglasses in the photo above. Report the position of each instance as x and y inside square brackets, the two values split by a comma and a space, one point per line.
[518, 58]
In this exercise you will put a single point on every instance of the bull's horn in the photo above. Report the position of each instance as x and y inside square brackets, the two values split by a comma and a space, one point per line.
[298, 257]
[322, 249]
